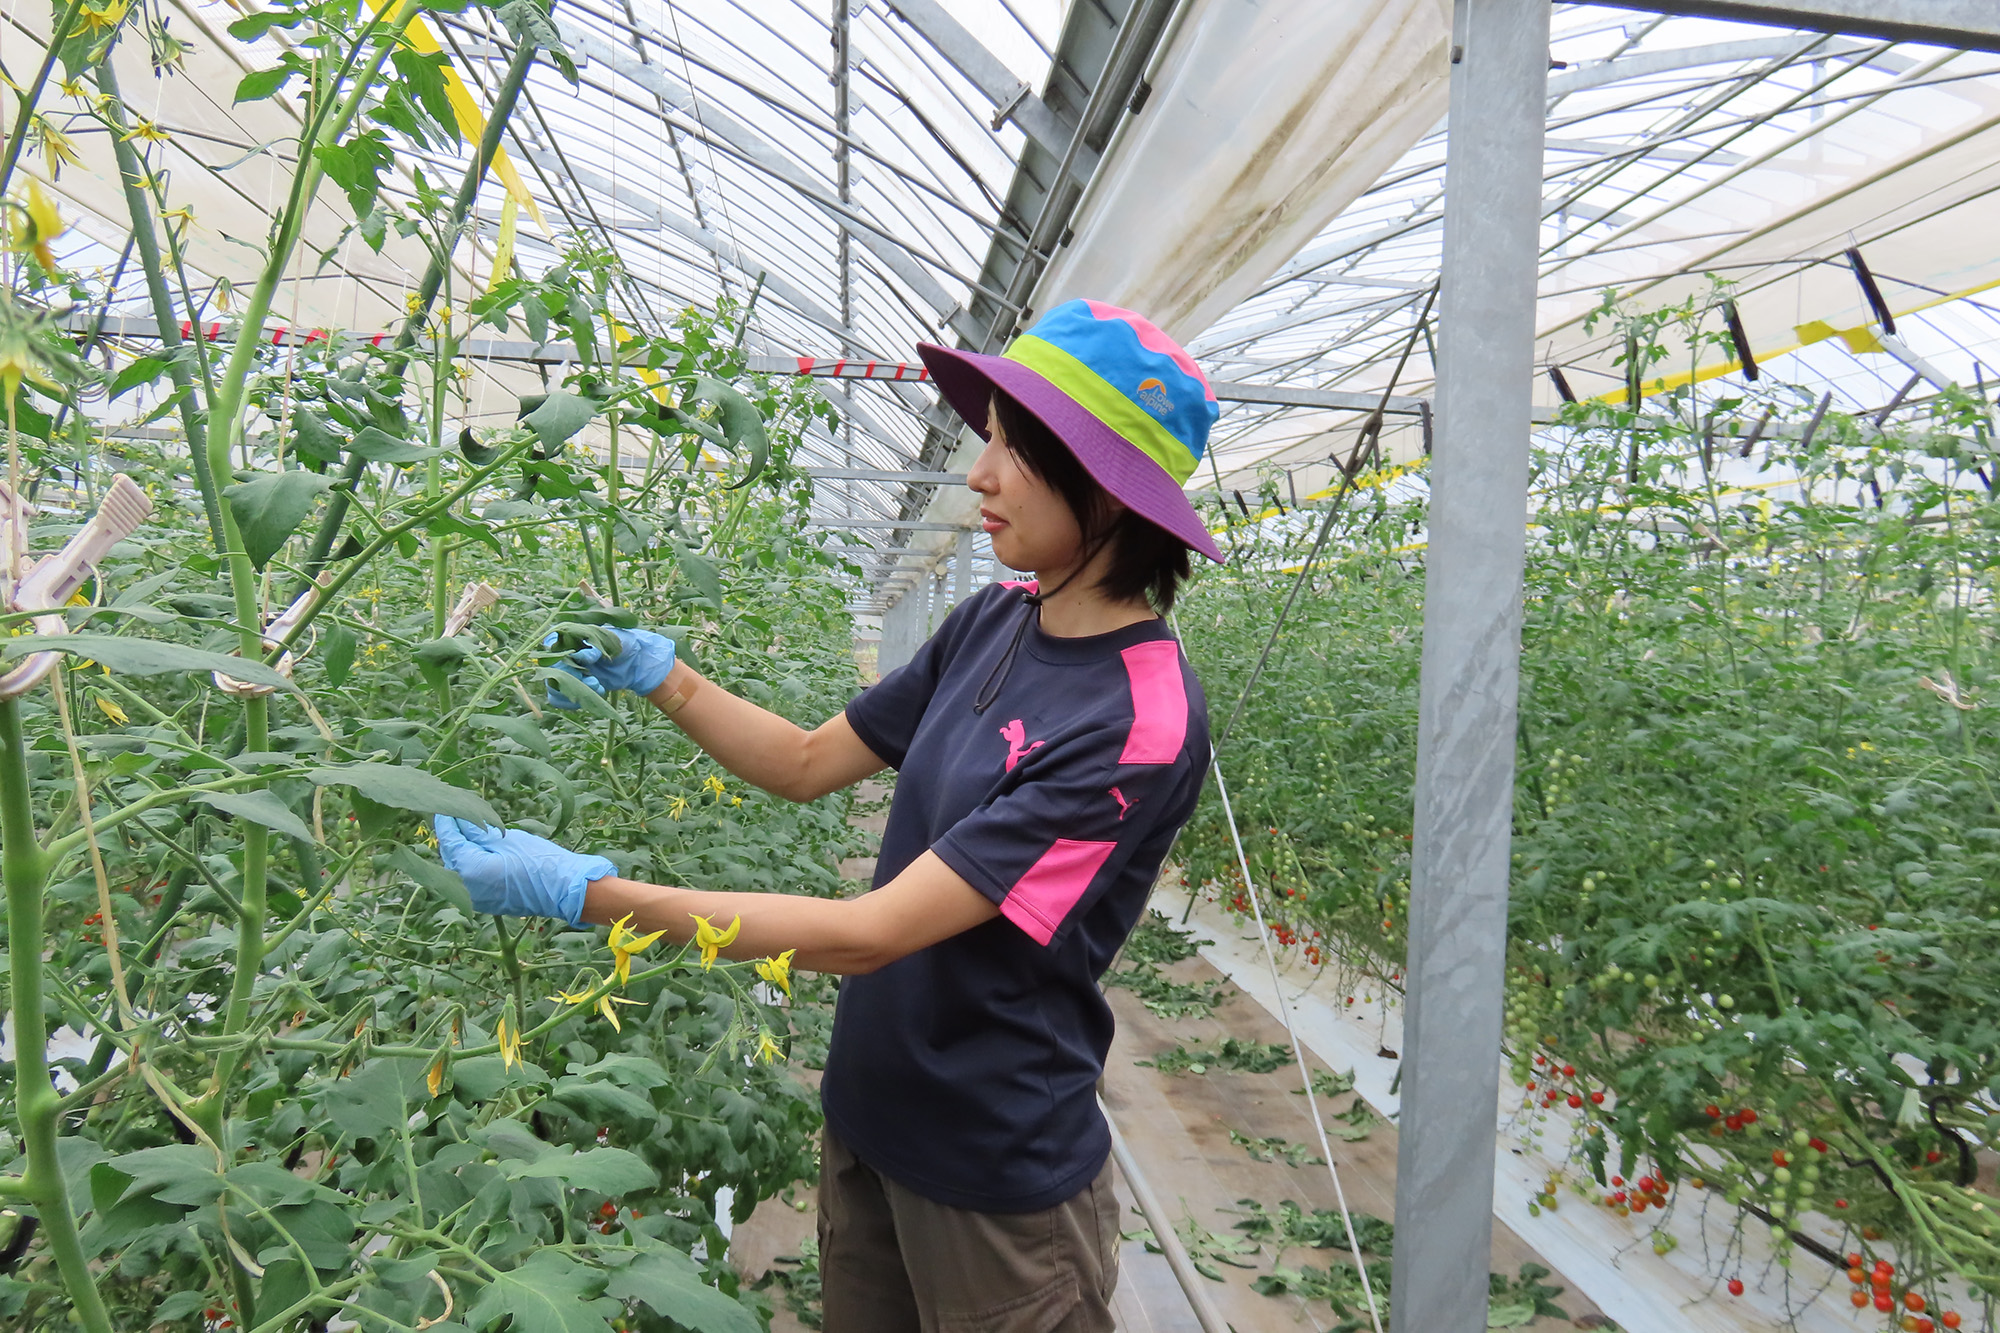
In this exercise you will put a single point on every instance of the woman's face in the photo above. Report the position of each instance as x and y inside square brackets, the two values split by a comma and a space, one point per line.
[1030, 523]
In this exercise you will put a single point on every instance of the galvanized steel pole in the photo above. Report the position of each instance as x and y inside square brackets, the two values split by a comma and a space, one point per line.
[1471, 667]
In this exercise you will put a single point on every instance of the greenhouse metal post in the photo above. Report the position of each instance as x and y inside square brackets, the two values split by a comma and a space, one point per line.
[1471, 667]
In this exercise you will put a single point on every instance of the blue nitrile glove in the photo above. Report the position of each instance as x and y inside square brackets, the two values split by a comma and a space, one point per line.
[515, 873]
[641, 666]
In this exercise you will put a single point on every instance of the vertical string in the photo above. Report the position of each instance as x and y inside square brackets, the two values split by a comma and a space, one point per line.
[1298, 1052]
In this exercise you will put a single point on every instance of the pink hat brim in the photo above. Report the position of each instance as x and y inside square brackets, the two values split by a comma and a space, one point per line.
[968, 379]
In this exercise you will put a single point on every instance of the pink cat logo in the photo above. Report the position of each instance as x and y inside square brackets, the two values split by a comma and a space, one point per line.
[1124, 806]
[1018, 746]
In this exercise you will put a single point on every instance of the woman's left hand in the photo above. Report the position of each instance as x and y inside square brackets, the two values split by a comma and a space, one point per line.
[514, 873]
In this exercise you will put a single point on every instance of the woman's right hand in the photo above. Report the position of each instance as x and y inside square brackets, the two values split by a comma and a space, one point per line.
[641, 665]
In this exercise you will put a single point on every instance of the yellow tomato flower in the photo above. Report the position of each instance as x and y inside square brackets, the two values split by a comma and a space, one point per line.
[711, 941]
[104, 19]
[510, 1045]
[604, 1007]
[712, 784]
[778, 971]
[677, 807]
[578, 997]
[58, 149]
[181, 216]
[435, 1078]
[413, 302]
[768, 1050]
[625, 943]
[37, 224]
[112, 711]
[145, 131]
[72, 88]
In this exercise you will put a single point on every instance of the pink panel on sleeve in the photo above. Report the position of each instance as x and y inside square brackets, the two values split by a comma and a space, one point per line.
[1043, 897]
[1159, 703]
[1031, 585]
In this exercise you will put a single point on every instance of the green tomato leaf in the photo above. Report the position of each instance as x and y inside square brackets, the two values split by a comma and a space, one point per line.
[145, 370]
[477, 454]
[670, 1284]
[260, 84]
[375, 1102]
[551, 1293]
[442, 652]
[259, 807]
[176, 1173]
[557, 417]
[408, 789]
[611, 1171]
[339, 656]
[702, 573]
[578, 693]
[269, 508]
[378, 446]
[144, 657]
[314, 438]
[522, 731]
[429, 875]
[742, 425]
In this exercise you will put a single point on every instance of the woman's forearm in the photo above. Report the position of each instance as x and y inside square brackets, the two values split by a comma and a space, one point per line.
[928, 902]
[759, 746]
[821, 929]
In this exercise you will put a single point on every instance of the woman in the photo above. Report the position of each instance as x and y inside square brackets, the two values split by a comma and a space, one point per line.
[1050, 741]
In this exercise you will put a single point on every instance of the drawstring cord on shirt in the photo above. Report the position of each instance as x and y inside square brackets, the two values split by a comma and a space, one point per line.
[996, 679]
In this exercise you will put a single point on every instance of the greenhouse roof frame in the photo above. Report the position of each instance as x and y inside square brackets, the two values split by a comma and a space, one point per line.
[856, 185]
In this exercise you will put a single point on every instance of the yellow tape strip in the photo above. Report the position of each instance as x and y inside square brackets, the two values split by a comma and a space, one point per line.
[471, 120]
[1860, 338]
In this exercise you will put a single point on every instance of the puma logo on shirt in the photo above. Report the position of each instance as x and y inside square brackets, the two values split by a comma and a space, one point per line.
[1124, 806]
[1018, 745]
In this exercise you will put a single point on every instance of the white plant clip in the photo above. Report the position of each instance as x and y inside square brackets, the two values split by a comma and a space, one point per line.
[46, 585]
[274, 635]
[476, 598]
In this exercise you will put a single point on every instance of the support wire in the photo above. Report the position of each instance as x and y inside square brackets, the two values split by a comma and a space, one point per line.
[1298, 1051]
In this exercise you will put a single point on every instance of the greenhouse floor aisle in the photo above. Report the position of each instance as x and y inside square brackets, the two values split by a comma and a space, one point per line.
[1179, 1130]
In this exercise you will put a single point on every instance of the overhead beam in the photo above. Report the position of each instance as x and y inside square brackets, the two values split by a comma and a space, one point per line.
[898, 259]
[1973, 25]
[1011, 97]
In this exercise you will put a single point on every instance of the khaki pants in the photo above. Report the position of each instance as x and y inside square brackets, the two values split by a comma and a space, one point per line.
[892, 1261]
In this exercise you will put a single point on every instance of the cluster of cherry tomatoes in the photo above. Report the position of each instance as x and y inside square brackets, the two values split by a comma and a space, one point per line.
[1645, 1192]
[1877, 1286]
[1551, 1094]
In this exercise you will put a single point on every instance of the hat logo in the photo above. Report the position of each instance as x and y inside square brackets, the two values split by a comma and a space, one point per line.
[1153, 395]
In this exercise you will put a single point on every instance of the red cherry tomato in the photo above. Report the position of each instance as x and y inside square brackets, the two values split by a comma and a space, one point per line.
[1736, 1286]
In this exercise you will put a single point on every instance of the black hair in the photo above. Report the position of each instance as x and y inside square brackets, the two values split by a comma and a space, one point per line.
[1146, 560]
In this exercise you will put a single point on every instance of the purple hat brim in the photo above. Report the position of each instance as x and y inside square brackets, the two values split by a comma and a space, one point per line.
[968, 379]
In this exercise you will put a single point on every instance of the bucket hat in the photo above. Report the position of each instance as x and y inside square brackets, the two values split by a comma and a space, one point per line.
[1121, 395]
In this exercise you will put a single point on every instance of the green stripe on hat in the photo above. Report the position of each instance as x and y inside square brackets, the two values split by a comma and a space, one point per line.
[1096, 396]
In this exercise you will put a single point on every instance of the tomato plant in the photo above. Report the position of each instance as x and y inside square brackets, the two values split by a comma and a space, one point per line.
[1753, 923]
[268, 1067]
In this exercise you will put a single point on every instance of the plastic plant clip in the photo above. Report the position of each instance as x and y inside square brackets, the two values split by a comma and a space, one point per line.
[476, 598]
[274, 636]
[47, 584]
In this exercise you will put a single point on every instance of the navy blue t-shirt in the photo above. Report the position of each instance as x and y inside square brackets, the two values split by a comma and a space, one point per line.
[967, 1071]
